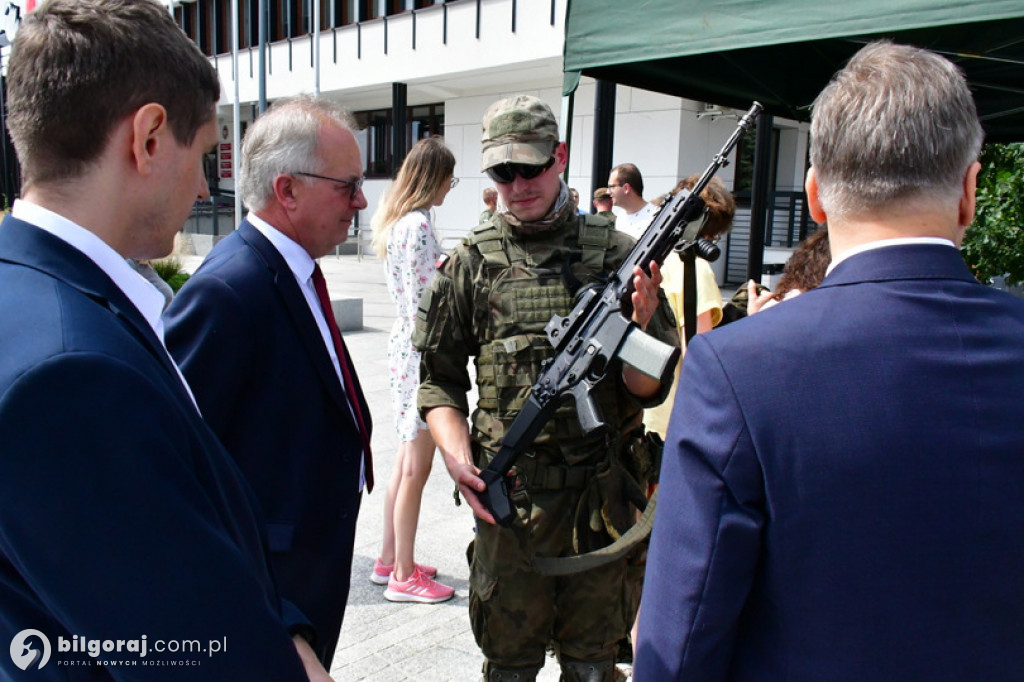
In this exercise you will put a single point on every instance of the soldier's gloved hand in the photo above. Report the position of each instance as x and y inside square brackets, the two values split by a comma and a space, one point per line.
[645, 297]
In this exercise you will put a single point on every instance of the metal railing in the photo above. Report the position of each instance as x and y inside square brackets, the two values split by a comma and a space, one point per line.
[787, 224]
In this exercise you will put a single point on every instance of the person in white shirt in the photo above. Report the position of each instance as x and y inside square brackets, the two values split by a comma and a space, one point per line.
[626, 186]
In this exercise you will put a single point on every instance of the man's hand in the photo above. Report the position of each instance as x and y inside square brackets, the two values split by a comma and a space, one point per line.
[756, 301]
[645, 297]
[450, 431]
[314, 669]
[645, 301]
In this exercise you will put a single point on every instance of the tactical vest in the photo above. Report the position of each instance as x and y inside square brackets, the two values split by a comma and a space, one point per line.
[520, 285]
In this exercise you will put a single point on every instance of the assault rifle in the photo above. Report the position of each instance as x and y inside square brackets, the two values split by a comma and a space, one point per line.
[598, 330]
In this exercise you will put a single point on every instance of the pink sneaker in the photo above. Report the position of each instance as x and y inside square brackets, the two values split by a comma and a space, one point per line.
[418, 588]
[381, 572]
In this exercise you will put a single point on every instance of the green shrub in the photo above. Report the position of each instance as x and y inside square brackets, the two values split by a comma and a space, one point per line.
[994, 244]
[177, 281]
[171, 271]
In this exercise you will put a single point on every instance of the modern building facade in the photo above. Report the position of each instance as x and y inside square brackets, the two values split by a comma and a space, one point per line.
[411, 68]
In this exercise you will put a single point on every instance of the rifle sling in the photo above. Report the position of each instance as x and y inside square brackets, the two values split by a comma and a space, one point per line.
[599, 557]
[689, 294]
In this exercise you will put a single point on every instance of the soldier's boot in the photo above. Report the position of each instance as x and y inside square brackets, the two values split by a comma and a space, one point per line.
[587, 671]
[493, 673]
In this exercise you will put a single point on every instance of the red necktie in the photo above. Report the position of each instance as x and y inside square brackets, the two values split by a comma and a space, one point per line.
[320, 284]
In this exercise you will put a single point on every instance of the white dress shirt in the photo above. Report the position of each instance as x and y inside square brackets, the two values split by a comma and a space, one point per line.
[882, 243]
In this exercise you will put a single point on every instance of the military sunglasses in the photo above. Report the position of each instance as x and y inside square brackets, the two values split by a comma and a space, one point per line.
[505, 173]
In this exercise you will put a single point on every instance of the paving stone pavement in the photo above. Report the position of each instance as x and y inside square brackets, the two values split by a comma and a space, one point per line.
[383, 641]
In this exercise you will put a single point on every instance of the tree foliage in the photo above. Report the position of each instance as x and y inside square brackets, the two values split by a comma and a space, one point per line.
[994, 244]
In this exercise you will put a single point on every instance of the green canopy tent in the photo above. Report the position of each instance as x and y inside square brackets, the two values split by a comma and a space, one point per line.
[782, 52]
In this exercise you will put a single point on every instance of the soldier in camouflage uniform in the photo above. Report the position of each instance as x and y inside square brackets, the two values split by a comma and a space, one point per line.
[603, 203]
[490, 301]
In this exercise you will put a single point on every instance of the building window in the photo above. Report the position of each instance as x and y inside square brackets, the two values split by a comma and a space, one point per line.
[185, 15]
[293, 18]
[280, 20]
[208, 22]
[327, 15]
[375, 9]
[345, 12]
[202, 26]
[375, 134]
[247, 20]
[213, 32]
[220, 27]
[425, 120]
[248, 24]
[398, 6]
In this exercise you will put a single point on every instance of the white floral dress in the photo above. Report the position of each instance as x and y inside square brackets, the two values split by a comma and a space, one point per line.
[412, 254]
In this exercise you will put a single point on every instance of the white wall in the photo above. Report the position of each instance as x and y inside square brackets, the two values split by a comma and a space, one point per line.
[792, 157]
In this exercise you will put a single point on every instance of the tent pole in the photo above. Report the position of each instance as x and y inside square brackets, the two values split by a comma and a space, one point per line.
[604, 136]
[568, 109]
[759, 196]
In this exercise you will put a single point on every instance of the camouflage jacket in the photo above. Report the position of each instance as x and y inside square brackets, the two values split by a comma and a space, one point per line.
[490, 301]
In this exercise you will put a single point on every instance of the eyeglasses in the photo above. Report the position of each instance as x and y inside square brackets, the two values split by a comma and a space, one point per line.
[506, 172]
[455, 183]
[356, 185]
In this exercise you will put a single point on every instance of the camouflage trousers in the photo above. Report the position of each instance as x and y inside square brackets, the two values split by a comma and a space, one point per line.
[516, 612]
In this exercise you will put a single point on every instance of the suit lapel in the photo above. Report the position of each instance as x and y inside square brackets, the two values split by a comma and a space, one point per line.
[27, 245]
[298, 311]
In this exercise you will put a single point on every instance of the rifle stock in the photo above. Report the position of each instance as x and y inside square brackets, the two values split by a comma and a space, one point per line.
[598, 330]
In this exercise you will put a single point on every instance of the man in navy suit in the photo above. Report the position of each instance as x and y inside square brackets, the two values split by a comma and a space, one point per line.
[841, 488]
[266, 362]
[124, 523]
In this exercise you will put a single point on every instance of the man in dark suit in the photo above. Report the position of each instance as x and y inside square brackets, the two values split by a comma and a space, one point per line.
[125, 527]
[266, 362]
[841, 488]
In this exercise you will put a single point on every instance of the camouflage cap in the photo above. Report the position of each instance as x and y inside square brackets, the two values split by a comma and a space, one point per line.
[518, 129]
[602, 193]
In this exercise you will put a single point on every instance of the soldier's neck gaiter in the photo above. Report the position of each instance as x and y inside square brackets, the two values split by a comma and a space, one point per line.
[544, 223]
